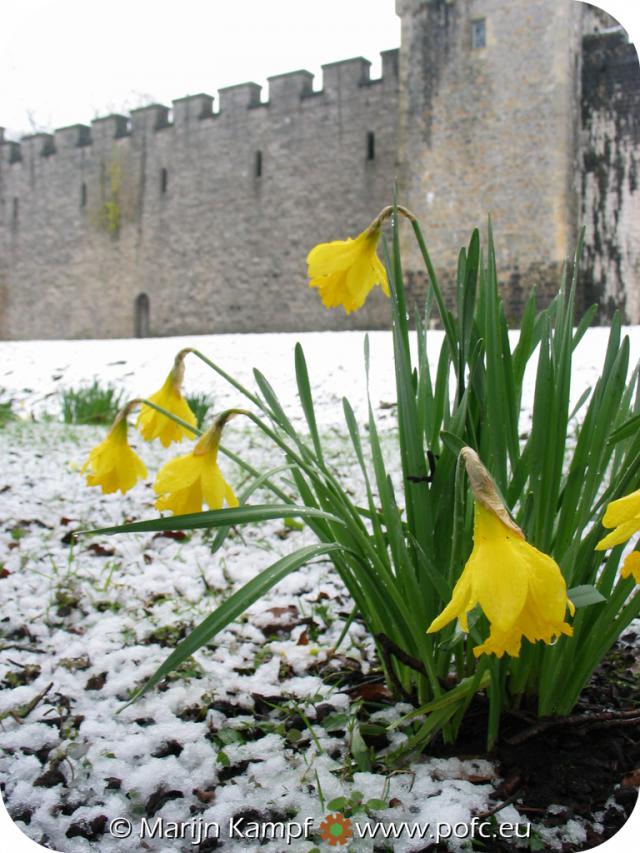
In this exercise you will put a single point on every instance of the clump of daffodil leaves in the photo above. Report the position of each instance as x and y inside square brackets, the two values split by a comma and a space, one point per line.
[488, 568]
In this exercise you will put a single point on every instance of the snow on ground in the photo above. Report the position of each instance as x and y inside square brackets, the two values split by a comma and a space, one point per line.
[32, 372]
[95, 619]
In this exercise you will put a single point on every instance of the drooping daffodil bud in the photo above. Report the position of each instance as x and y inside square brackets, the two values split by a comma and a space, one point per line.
[152, 423]
[185, 483]
[112, 464]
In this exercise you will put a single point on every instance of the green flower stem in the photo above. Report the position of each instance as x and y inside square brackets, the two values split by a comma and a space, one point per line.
[445, 316]
[172, 417]
[237, 385]
[228, 453]
[459, 518]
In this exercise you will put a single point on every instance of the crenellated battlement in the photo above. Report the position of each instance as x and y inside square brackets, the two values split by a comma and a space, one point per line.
[150, 118]
[345, 75]
[9, 151]
[107, 128]
[290, 85]
[192, 108]
[240, 97]
[342, 81]
[37, 143]
[73, 136]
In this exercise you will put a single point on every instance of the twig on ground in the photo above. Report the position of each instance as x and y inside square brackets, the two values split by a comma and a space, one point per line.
[386, 648]
[21, 711]
[390, 647]
[605, 718]
[22, 647]
[500, 806]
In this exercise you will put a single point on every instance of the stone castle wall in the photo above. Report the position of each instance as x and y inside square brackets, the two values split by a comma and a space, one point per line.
[210, 215]
[610, 174]
[202, 216]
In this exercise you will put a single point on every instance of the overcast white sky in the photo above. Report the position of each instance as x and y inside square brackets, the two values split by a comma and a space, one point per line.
[66, 61]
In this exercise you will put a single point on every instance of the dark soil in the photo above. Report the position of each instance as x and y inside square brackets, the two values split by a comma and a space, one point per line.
[578, 763]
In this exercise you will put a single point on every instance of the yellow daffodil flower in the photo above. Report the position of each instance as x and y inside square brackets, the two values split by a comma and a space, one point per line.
[345, 271]
[624, 515]
[153, 424]
[112, 464]
[183, 484]
[521, 590]
[631, 566]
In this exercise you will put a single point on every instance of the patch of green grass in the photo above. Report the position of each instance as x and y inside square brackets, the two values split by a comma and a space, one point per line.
[199, 405]
[17, 533]
[6, 411]
[168, 635]
[95, 404]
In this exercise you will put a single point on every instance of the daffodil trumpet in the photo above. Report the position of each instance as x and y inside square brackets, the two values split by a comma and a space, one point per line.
[520, 589]
[185, 483]
[345, 271]
[112, 464]
[153, 420]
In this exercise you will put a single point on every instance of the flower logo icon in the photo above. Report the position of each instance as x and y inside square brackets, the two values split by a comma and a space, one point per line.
[336, 829]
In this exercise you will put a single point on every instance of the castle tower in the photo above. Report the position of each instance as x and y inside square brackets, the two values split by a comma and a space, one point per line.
[489, 119]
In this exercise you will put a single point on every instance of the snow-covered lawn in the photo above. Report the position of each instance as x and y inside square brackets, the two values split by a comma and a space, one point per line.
[258, 723]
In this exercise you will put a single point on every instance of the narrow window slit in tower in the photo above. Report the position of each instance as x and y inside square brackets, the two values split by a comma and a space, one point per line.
[478, 33]
[83, 195]
[258, 169]
[164, 180]
[141, 317]
[371, 145]
[16, 209]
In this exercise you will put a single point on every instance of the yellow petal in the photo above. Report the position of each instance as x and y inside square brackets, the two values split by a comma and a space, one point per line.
[337, 256]
[499, 577]
[130, 468]
[623, 510]
[380, 275]
[153, 424]
[499, 643]
[230, 496]
[178, 473]
[360, 279]
[182, 501]
[520, 589]
[213, 484]
[618, 536]
[631, 566]
[345, 271]
[112, 464]
[459, 605]
[500, 586]
[333, 291]
[547, 593]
